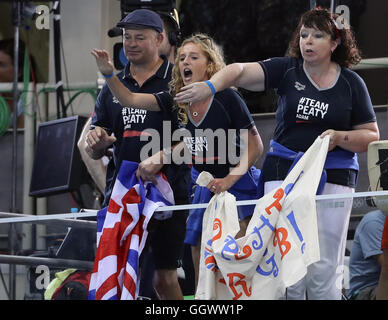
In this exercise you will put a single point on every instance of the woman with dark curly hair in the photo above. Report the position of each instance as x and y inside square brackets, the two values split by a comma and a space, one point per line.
[346, 54]
[317, 96]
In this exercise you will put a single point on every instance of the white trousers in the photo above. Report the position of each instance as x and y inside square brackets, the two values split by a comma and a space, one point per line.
[323, 280]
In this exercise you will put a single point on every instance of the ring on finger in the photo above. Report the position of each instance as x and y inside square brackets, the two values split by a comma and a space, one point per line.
[214, 187]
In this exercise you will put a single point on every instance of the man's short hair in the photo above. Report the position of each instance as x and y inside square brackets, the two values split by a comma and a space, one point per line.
[172, 29]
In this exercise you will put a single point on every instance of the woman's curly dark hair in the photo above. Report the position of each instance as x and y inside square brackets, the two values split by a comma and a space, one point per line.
[347, 54]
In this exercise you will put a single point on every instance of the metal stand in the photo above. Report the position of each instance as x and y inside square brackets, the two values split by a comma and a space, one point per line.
[13, 236]
[61, 109]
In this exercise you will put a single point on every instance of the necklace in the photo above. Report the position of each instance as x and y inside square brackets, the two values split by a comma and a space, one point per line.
[194, 113]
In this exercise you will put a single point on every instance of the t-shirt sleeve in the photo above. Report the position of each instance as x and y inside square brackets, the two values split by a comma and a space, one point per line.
[166, 104]
[275, 69]
[370, 238]
[362, 108]
[165, 100]
[100, 117]
[237, 110]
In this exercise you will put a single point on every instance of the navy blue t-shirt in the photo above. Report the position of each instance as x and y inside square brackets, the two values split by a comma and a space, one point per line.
[364, 269]
[305, 110]
[214, 142]
[128, 124]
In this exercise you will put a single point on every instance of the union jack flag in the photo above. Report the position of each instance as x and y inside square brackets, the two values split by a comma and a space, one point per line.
[122, 233]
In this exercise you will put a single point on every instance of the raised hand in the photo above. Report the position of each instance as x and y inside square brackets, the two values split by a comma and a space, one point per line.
[103, 61]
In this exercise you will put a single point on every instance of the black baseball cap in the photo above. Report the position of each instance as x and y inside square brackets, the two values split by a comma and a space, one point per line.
[142, 18]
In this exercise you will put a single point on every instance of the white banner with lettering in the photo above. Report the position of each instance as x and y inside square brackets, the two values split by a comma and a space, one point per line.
[280, 242]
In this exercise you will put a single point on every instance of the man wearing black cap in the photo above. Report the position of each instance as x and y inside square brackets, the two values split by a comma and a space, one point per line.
[146, 72]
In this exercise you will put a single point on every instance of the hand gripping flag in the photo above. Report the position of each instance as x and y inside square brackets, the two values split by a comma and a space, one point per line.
[280, 242]
[122, 233]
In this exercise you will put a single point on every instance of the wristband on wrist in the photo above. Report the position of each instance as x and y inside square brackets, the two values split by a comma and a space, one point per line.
[107, 76]
[213, 90]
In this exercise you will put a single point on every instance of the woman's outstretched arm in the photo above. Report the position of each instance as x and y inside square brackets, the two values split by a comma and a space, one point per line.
[249, 76]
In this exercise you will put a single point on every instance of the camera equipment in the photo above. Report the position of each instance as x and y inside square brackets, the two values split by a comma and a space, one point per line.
[171, 19]
[127, 6]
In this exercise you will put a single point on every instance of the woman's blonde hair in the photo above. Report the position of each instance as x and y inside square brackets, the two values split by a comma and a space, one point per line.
[215, 62]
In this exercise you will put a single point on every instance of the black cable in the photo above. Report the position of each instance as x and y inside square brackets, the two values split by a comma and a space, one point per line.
[66, 76]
